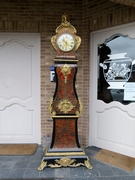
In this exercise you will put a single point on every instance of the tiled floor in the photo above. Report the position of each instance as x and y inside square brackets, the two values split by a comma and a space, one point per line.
[22, 167]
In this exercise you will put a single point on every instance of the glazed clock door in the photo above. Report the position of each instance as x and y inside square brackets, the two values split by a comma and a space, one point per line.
[112, 89]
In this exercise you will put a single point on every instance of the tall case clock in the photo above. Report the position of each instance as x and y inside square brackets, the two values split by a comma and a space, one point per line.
[65, 106]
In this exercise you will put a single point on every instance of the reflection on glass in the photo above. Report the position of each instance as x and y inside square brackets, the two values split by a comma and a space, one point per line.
[116, 69]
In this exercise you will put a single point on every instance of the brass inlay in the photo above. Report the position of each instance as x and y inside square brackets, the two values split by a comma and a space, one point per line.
[67, 27]
[42, 165]
[65, 106]
[87, 163]
[78, 113]
[53, 113]
[66, 70]
[65, 162]
[65, 24]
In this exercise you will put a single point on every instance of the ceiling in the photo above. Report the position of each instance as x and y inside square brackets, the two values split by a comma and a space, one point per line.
[125, 2]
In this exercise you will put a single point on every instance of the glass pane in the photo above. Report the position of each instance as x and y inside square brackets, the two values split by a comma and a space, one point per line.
[116, 69]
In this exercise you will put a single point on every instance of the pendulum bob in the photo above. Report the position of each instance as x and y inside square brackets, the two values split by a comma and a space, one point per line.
[65, 109]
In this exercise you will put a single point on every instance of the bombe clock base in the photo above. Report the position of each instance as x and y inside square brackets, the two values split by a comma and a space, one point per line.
[73, 157]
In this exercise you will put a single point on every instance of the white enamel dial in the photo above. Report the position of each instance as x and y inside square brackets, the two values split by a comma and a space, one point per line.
[66, 42]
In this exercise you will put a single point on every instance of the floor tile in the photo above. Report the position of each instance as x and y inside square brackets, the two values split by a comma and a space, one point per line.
[21, 164]
[90, 173]
[31, 173]
[104, 169]
[33, 164]
[47, 172]
[62, 172]
[118, 171]
[4, 173]
[76, 172]
[16, 173]
[7, 164]
[24, 158]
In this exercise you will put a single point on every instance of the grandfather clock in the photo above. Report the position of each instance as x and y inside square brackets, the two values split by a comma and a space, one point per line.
[65, 107]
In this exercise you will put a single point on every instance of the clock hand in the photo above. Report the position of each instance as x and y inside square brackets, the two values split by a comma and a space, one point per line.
[65, 41]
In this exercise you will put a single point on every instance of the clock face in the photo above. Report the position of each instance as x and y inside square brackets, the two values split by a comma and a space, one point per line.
[66, 42]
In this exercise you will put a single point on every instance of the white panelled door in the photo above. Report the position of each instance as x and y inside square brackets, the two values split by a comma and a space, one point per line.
[112, 121]
[20, 88]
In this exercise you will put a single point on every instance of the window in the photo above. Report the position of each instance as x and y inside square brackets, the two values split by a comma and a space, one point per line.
[116, 64]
